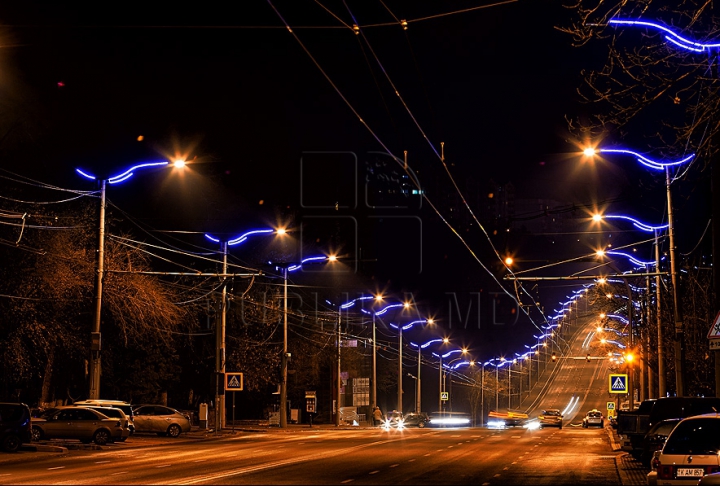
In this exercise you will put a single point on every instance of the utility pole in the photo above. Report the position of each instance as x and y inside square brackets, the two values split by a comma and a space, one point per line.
[677, 314]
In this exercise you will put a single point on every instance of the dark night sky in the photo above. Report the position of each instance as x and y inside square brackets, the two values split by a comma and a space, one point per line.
[230, 86]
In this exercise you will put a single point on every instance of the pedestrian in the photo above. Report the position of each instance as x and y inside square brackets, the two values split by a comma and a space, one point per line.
[377, 416]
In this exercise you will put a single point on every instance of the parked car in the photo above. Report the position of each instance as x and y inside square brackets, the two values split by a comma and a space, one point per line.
[691, 451]
[416, 420]
[15, 426]
[161, 419]
[632, 426]
[551, 417]
[593, 417]
[74, 422]
[117, 413]
[655, 438]
[124, 406]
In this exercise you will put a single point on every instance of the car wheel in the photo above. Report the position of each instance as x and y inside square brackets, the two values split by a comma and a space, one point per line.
[10, 443]
[36, 434]
[421, 424]
[174, 430]
[101, 437]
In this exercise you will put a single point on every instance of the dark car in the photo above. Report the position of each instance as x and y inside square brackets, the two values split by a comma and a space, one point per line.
[655, 438]
[15, 426]
[416, 420]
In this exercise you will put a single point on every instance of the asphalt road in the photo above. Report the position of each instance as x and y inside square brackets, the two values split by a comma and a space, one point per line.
[571, 456]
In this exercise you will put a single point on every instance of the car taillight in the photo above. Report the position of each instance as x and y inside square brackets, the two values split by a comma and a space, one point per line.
[711, 469]
[664, 472]
[655, 463]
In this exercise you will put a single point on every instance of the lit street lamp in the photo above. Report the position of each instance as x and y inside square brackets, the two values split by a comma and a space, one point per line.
[95, 336]
[420, 347]
[441, 376]
[291, 267]
[220, 329]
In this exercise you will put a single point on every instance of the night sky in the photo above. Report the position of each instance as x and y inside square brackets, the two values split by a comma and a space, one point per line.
[104, 87]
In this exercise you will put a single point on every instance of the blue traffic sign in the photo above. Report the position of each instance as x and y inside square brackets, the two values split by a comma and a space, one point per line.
[618, 383]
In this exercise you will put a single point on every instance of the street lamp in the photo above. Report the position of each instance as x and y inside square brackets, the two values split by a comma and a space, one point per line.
[441, 376]
[95, 336]
[400, 352]
[420, 348]
[384, 310]
[220, 330]
[677, 314]
[291, 267]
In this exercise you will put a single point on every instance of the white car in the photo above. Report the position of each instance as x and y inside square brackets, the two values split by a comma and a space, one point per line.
[161, 420]
[691, 451]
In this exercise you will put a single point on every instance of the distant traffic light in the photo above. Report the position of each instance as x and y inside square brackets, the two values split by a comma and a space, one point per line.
[553, 356]
[587, 358]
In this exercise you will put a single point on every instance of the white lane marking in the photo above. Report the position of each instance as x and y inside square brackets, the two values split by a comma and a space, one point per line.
[394, 465]
[411, 460]
[121, 472]
[213, 478]
[58, 467]
[373, 472]
[101, 462]
[346, 481]
[164, 465]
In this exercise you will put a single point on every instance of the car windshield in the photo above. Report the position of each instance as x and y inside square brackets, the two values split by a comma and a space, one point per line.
[551, 412]
[594, 414]
[697, 436]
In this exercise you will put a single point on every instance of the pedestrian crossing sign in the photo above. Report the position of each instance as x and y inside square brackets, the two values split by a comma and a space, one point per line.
[444, 396]
[233, 381]
[618, 383]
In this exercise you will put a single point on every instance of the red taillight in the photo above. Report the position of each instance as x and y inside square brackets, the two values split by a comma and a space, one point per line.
[655, 463]
[664, 472]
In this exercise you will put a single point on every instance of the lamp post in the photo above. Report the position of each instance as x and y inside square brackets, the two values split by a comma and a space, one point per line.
[290, 267]
[677, 312]
[420, 347]
[95, 363]
[220, 329]
[441, 374]
[384, 310]
[400, 352]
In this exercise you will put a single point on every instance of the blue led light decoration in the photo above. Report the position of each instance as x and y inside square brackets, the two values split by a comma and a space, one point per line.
[670, 35]
[642, 159]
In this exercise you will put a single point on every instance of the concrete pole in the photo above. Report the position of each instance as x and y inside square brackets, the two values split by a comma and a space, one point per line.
[95, 336]
[662, 381]
[283, 358]
[677, 314]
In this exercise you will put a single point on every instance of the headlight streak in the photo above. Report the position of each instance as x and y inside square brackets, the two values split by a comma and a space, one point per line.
[571, 405]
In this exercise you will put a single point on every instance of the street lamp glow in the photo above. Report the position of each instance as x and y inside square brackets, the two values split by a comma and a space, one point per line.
[179, 163]
[589, 152]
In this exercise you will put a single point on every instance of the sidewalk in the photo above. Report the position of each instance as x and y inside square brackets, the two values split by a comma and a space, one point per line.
[631, 471]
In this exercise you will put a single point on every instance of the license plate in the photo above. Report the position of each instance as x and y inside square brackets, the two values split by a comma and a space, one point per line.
[687, 472]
